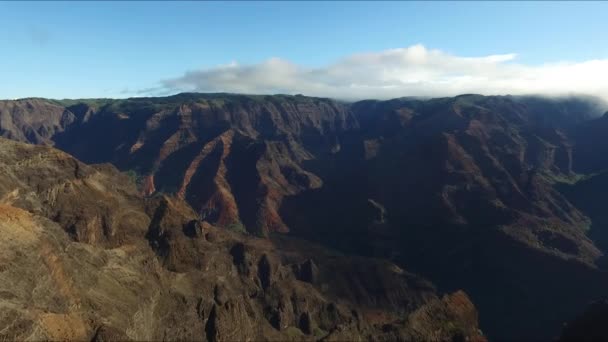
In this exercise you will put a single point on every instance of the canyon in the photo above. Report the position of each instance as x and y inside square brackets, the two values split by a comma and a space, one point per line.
[304, 213]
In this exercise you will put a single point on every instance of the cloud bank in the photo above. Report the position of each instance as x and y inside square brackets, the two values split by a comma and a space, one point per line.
[410, 71]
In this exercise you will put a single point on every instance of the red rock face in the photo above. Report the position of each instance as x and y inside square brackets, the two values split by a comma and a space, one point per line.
[147, 186]
[235, 158]
[189, 150]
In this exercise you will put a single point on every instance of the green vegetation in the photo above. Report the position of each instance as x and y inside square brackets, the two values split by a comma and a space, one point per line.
[560, 178]
[294, 333]
[259, 234]
[318, 332]
[134, 176]
[97, 103]
[237, 227]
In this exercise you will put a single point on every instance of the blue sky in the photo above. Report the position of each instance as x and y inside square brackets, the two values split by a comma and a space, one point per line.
[116, 49]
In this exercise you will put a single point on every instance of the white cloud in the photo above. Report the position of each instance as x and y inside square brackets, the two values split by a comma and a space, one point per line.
[411, 71]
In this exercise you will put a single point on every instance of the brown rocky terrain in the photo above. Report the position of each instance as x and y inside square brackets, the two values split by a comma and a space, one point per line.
[85, 257]
[473, 192]
[34, 120]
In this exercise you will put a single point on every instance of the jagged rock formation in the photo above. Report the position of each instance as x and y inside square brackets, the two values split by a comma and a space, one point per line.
[233, 158]
[112, 265]
[468, 191]
[94, 204]
[33, 120]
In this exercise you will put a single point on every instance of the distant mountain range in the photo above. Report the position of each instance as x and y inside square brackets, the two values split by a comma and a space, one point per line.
[499, 196]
